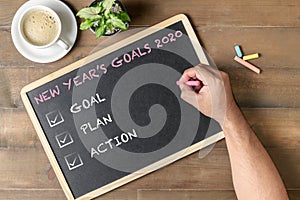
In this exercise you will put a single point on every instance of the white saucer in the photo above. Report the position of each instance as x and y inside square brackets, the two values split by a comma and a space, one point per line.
[55, 52]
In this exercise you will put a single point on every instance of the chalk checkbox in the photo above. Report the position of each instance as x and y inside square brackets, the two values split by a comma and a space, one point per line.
[64, 139]
[54, 118]
[73, 161]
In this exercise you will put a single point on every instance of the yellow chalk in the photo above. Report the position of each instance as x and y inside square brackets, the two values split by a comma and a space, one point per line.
[252, 56]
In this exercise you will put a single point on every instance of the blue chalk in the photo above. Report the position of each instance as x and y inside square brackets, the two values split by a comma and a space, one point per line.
[238, 51]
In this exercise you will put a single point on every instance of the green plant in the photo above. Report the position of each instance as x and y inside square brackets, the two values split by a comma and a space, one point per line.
[105, 16]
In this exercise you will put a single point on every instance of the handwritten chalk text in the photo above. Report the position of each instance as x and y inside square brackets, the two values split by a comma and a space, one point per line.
[112, 143]
[171, 37]
[47, 95]
[87, 103]
[85, 76]
[100, 69]
[89, 128]
[128, 57]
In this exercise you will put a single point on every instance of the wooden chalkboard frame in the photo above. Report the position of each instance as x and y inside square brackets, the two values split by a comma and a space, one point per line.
[97, 55]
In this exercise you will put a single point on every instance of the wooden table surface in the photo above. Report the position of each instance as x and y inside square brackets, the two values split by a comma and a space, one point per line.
[270, 101]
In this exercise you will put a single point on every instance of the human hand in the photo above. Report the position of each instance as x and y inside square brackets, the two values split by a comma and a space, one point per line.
[213, 97]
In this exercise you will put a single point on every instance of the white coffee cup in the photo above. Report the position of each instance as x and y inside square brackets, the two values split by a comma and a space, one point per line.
[40, 27]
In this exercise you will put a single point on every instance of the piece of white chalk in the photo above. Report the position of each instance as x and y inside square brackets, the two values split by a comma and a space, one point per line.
[247, 64]
[238, 51]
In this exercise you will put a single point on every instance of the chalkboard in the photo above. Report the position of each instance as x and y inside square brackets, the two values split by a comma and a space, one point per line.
[117, 114]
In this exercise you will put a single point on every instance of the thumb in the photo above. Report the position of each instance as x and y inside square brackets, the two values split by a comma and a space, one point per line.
[188, 95]
[204, 90]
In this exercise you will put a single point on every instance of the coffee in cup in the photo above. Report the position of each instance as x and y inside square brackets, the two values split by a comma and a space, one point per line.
[40, 27]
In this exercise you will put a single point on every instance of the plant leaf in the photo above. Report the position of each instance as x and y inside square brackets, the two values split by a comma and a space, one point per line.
[110, 27]
[101, 21]
[100, 30]
[107, 4]
[124, 17]
[90, 13]
[117, 23]
[102, 9]
[86, 24]
[106, 14]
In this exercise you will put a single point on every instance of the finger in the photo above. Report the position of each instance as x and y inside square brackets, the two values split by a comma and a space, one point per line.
[187, 76]
[204, 73]
[198, 88]
[208, 72]
[196, 73]
[204, 89]
[190, 97]
[184, 88]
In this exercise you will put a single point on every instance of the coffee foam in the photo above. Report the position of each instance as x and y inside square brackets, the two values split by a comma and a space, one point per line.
[40, 27]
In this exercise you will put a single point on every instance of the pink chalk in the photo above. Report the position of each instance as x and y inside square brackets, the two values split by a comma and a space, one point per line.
[190, 83]
[247, 64]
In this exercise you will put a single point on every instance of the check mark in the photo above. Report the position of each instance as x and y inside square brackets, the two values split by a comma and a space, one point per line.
[64, 139]
[73, 161]
[54, 118]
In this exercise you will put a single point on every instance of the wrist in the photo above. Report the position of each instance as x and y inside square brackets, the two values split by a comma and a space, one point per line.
[232, 117]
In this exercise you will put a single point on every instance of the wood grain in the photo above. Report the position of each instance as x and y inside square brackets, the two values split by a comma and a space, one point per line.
[57, 194]
[132, 195]
[185, 194]
[276, 128]
[273, 88]
[250, 89]
[278, 47]
[203, 13]
[270, 101]
[196, 195]
[29, 169]
[16, 130]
